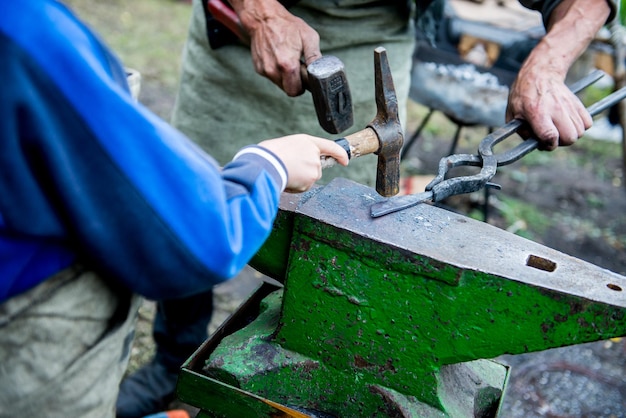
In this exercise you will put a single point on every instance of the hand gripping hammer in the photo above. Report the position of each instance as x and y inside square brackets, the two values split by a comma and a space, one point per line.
[325, 77]
[383, 135]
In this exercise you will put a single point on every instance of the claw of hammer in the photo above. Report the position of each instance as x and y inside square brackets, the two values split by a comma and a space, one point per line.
[384, 135]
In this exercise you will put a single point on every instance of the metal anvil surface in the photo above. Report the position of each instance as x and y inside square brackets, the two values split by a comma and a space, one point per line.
[395, 316]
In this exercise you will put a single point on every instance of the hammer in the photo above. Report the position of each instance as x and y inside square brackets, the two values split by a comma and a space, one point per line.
[383, 135]
[325, 77]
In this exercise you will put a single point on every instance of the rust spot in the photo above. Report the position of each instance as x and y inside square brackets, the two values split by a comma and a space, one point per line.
[308, 366]
[391, 407]
[266, 353]
[388, 366]
[305, 245]
[540, 263]
[583, 323]
[360, 362]
[577, 307]
[218, 363]
[560, 318]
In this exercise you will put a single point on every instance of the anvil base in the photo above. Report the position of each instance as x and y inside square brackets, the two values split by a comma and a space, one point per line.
[394, 316]
[242, 372]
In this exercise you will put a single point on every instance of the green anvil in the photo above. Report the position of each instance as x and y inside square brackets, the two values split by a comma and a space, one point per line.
[394, 316]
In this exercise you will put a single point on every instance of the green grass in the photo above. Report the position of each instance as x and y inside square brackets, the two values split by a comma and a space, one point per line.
[147, 35]
[593, 93]
[523, 219]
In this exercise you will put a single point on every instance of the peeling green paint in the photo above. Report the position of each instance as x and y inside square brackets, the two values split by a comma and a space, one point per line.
[377, 321]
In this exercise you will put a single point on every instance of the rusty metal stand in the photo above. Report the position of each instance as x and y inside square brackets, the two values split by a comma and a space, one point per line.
[433, 70]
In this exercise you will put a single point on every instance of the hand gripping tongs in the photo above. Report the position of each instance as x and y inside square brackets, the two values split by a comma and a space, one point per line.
[440, 188]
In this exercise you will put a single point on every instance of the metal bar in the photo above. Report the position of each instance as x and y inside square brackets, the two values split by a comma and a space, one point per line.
[531, 144]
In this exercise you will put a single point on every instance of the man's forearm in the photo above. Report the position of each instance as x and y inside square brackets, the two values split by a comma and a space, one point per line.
[571, 27]
[539, 95]
[253, 12]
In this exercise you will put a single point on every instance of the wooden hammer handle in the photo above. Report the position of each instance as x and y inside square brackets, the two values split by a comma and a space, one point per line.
[228, 17]
[357, 144]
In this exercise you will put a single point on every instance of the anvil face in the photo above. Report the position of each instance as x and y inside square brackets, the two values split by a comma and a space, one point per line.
[399, 313]
[451, 240]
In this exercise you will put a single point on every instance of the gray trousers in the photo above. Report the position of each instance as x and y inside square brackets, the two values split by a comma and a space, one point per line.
[64, 347]
[223, 104]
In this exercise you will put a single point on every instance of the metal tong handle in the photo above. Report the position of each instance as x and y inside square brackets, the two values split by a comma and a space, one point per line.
[531, 144]
[486, 158]
[439, 189]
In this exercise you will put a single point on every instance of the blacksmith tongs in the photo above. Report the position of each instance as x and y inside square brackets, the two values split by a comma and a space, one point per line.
[440, 188]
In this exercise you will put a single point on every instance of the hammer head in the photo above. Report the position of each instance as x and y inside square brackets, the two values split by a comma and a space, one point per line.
[387, 126]
[327, 81]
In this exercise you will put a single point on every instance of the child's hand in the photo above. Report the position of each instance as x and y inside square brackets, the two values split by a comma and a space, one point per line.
[301, 155]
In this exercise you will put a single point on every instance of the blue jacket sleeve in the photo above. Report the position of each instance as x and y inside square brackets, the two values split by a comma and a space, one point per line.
[85, 167]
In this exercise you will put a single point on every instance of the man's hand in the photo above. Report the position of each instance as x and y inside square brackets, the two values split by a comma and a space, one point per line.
[555, 115]
[539, 94]
[278, 42]
[302, 154]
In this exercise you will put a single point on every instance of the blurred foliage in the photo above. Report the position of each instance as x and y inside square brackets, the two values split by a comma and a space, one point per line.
[147, 35]
[522, 218]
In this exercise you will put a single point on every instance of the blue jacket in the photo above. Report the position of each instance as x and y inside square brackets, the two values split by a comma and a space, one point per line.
[87, 175]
